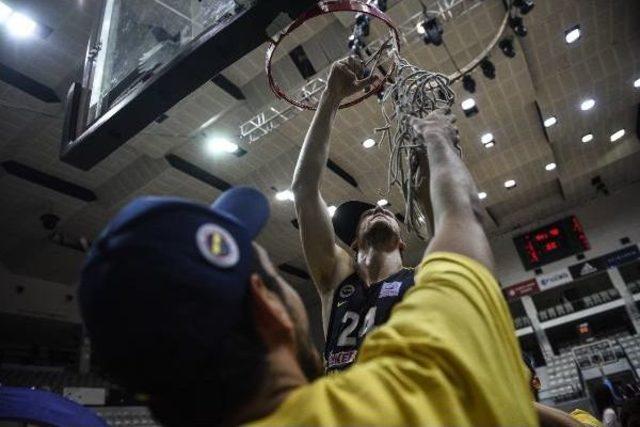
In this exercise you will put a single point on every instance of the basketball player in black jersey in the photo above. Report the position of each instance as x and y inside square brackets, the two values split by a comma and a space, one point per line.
[357, 291]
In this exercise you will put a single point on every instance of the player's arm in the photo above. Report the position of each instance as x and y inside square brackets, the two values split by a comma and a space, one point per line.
[454, 197]
[326, 260]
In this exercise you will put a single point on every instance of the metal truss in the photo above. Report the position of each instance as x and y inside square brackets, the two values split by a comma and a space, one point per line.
[280, 112]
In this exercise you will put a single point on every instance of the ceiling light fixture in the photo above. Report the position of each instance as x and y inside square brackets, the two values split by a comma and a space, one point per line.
[368, 143]
[510, 183]
[550, 166]
[469, 107]
[221, 145]
[636, 83]
[468, 83]
[487, 138]
[5, 12]
[21, 25]
[488, 69]
[432, 32]
[517, 25]
[482, 195]
[382, 202]
[550, 121]
[420, 28]
[525, 6]
[506, 46]
[284, 196]
[587, 138]
[587, 104]
[617, 135]
[572, 34]
[332, 210]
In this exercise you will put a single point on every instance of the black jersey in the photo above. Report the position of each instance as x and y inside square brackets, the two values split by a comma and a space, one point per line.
[356, 309]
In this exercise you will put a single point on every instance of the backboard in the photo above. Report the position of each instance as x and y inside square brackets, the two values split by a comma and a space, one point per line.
[144, 56]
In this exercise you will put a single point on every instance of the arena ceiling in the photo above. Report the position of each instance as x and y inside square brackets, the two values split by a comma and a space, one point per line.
[546, 75]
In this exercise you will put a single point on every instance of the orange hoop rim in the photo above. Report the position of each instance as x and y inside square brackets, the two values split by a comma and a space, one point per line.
[323, 8]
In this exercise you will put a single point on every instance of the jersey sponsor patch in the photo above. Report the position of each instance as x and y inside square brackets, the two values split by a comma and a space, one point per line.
[341, 358]
[347, 291]
[390, 289]
[217, 245]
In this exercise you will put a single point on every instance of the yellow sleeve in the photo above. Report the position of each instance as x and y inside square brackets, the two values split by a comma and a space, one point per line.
[447, 356]
[585, 418]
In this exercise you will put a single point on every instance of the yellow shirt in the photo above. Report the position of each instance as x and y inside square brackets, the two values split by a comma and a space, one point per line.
[585, 418]
[447, 356]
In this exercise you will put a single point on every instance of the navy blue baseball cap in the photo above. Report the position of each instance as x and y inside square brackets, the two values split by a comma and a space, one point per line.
[167, 281]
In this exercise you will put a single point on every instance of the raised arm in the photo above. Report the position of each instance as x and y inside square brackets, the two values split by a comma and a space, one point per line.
[326, 260]
[454, 196]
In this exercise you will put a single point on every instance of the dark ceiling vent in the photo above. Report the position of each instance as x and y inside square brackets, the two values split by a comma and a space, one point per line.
[333, 167]
[228, 86]
[49, 181]
[194, 171]
[302, 63]
[27, 84]
[294, 271]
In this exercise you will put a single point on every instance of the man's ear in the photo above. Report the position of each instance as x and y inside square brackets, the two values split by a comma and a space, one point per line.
[272, 319]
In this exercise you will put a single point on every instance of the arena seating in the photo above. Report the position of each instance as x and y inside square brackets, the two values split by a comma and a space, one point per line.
[567, 307]
[521, 322]
[634, 286]
[117, 416]
[564, 380]
[48, 379]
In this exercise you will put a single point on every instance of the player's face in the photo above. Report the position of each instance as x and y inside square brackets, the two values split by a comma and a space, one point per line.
[378, 225]
[307, 355]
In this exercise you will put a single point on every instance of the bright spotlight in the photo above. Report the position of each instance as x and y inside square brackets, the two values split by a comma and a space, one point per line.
[636, 83]
[587, 104]
[617, 135]
[382, 202]
[482, 195]
[5, 12]
[572, 34]
[550, 121]
[221, 145]
[550, 166]
[510, 183]
[368, 143]
[468, 104]
[420, 28]
[487, 138]
[284, 195]
[21, 25]
[332, 210]
[587, 138]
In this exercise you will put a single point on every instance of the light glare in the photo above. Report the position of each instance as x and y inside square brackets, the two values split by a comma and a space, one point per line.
[383, 202]
[550, 166]
[550, 121]
[468, 104]
[510, 183]
[482, 195]
[617, 135]
[332, 210]
[285, 195]
[221, 145]
[420, 28]
[587, 104]
[487, 138]
[21, 25]
[636, 83]
[572, 35]
[587, 138]
[5, 11]
[368, 143]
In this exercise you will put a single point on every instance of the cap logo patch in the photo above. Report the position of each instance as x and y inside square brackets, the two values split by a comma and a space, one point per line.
[347, 291]
[217, 245]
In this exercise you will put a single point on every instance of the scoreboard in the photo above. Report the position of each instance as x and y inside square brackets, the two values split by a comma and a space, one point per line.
[551, 243]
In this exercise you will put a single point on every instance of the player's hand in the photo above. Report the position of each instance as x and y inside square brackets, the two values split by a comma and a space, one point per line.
[347, 77]
[437, 126]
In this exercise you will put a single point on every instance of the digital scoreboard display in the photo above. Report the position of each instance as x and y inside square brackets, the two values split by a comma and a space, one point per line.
[551, 243]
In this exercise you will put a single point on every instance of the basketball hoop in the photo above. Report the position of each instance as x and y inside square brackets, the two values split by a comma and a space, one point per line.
[323, 8]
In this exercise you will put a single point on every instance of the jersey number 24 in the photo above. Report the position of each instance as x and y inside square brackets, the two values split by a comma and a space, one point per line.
[351, 319]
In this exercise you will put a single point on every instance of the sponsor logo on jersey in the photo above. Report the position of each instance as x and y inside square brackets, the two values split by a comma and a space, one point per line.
[341, 358]
[390, 289]
[217, 246]
[347, 290]
[340, 303]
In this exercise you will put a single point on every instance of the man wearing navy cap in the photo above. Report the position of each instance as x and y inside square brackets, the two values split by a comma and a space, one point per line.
[180, 304]
[358, 291]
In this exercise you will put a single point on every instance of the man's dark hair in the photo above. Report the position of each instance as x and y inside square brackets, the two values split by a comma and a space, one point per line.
[184, 388]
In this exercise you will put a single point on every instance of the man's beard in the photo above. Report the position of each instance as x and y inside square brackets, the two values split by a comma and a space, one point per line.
[307, 355]
[380, 236]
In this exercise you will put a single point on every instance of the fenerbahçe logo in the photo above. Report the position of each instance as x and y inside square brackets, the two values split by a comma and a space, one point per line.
[217, 245]
[347, 291]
